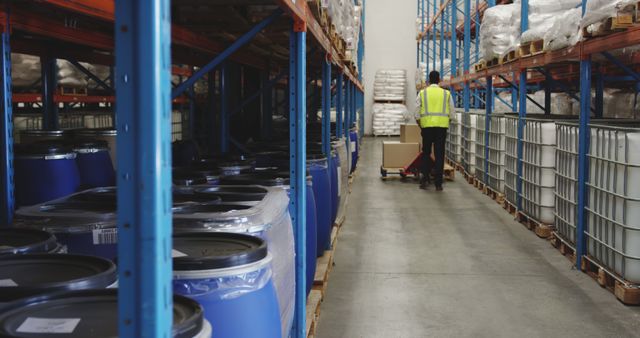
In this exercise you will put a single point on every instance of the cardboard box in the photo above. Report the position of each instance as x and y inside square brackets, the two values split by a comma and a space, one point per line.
[398, 155]
[410, 133]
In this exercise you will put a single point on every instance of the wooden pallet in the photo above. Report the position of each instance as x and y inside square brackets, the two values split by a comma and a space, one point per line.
[495, 195]
[320, 13]
[541, 229]
[537, 47]
[610, 25]
[493, 62]
[449, 173]
[478, 184]
[468, 177]
[509, 57]
[626, 292]
[390, 101]
[524, 50]
[565, 248]
[510, 208]
[72, 91]
[480, 66]
[313, 312]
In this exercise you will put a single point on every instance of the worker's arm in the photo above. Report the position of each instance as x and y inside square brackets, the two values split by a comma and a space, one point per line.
[416, 113]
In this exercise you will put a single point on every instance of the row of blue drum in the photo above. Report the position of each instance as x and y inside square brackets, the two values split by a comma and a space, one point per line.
[216, 208]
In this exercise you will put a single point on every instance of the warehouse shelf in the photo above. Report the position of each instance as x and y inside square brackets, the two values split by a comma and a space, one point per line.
[201, 39]
[574, 70]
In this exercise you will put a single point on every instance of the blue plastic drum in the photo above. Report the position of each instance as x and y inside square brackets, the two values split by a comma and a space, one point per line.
[272, 179]
[230, 276]
[94, 164]
[334, 174]
[355, 149]
[44, 172]
[318, 167]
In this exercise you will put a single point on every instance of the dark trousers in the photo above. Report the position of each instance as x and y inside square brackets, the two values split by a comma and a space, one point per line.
[435, 137]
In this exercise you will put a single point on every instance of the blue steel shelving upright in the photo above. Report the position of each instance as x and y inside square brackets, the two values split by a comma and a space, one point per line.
[524, 75]
[143, 35]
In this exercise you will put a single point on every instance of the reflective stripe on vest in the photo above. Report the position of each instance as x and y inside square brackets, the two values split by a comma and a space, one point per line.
[436, 108]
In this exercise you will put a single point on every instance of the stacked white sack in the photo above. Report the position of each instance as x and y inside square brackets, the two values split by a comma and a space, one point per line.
[387, 118]
[500, 30]
[25, 69]
[543, 14]
[599, 10]
[390, 85]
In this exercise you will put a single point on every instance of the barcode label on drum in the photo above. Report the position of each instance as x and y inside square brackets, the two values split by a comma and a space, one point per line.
[353, 146]
[7, 282]
[105, 236]
[48, 325]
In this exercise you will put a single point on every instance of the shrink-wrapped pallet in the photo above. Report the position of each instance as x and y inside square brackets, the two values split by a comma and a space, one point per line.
[598, 11]
[387, 118]
[500, 30]
[390, 85]
[543, 14]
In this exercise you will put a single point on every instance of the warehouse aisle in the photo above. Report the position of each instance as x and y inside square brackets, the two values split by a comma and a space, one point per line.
[412, 263]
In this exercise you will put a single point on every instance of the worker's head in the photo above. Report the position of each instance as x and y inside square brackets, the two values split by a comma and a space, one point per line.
[434, 77]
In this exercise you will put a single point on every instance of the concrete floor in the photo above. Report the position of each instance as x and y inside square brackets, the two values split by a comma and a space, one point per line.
[413, 263]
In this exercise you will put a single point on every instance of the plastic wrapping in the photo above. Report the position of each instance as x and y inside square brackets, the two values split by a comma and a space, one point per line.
[500, 30]
[223, 284]
[390, 85]
[387, 118]
[422, 76]
[600, 10]
[565, 30]
[543, 14]
[268, 219]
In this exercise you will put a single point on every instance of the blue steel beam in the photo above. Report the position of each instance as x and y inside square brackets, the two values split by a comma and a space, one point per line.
[467, 53]
[454, 46]
[339, 103]
[487, 126]
[243, 40]
[143, 98]
[298, 155]
[583, 152]
[7, 200]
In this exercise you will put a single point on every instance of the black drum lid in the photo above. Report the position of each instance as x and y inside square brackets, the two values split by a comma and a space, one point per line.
[215, 250]
[91, 313]
[19, 241]
[29, 275]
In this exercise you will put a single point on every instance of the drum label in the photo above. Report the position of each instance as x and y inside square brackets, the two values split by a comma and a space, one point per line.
[353, 147]
[105, 236]
[176, 253]
[48, 325]
[7, 282]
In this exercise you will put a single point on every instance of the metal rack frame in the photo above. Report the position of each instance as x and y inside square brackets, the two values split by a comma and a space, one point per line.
[142, 40]
[554, 70]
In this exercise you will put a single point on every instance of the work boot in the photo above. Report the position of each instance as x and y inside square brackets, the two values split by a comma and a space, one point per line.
[424, 182]
[439, 188]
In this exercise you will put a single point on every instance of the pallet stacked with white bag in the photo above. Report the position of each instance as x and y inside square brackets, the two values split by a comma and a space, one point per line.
[389, 108]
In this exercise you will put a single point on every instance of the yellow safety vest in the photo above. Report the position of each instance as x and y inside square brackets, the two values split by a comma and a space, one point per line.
[436, 107]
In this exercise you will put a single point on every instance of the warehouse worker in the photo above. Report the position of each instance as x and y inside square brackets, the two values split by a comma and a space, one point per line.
[434, 105]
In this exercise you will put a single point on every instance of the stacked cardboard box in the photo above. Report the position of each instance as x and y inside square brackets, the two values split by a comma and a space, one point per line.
[400, 154]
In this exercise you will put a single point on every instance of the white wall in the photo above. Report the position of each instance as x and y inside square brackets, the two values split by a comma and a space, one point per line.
[390, 43]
